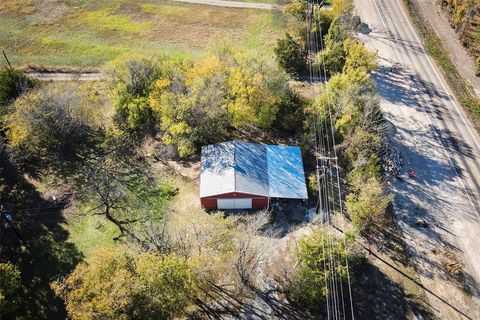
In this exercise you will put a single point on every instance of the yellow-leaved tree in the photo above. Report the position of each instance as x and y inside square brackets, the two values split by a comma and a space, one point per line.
[117, 284]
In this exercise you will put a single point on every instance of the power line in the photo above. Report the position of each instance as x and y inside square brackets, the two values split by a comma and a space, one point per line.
[325, 140]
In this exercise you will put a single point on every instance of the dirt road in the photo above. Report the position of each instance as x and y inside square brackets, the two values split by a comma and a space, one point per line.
[65, 76]
[438, 210]
[235, 4]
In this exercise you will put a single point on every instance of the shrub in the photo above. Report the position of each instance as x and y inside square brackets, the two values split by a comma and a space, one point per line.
[367, 202]
[53, 122]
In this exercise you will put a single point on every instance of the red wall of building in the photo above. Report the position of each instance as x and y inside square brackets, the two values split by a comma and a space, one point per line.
[258, 202]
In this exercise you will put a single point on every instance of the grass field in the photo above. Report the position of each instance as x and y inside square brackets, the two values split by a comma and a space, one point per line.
[88, 33]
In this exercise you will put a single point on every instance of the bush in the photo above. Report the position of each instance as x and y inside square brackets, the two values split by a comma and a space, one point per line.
[134, 115]
[333, 56]
[290, 115]
[131, 80]
[368, 201]
[309, 288]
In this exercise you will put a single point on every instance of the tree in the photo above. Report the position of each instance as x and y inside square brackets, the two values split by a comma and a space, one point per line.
[168, 285]
[192, 105]
[54, 122]
[134, 115]
[331, 59]
[199, 103]
[319, 255]
[358, 57]
[10, 286]
[297, 8]
[251, 100]
[131, 80]
[367, 201]
[117, 284]
[132, 75]
[290, 114]
[291, 56]
[13, 83]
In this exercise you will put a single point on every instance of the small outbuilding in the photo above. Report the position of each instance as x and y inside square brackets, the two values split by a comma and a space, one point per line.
[243, 175]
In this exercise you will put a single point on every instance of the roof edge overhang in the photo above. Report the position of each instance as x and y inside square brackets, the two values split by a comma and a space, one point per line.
[235, 191]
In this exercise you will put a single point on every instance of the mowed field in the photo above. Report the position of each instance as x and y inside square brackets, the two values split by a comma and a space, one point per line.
[87, 33]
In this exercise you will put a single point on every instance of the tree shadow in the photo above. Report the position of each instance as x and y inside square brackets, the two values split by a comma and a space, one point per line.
[398, 85]
[36, 241]
[382, 298]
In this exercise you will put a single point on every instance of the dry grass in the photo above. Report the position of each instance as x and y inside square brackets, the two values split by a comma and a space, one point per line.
[88, 33]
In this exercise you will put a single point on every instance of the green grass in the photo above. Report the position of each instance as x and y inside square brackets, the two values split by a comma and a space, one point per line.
[86, 34]
[89, 233]
[462, 90]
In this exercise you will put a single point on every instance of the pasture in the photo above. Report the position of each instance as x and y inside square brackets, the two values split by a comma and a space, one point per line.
[85, 34]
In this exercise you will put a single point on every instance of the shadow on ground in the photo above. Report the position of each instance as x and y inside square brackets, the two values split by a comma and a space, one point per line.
[36, 242]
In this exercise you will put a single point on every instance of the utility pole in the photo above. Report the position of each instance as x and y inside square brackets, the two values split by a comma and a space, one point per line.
[6, 58]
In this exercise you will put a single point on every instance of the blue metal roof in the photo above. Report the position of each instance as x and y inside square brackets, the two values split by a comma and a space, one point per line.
[237, 166]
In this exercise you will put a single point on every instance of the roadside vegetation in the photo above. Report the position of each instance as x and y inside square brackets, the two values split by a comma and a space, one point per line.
[461, 89]
[105, 225]
[464, 17]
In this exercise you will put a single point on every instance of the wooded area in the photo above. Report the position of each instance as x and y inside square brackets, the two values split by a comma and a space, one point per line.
[110, 145]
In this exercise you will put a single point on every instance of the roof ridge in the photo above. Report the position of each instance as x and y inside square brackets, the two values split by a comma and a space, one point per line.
[266, 168]
[234, 164]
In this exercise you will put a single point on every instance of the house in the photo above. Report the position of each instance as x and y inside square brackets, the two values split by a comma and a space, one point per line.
[243, 175]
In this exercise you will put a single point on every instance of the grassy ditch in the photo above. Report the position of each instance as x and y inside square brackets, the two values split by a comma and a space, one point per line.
[433, 44]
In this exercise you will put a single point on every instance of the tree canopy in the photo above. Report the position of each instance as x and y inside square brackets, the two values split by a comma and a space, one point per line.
[54, 122]
[314, 252]
[13, 83]
[10, 285]
[117, 284]
[190, 104]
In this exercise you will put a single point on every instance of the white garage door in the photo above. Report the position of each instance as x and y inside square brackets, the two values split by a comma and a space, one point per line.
[243, 203]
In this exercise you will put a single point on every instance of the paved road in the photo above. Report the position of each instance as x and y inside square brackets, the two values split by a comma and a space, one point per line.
[436, 140]
[235, 4]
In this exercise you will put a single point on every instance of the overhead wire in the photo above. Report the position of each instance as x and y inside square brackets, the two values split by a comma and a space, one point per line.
[328, 153]
[329, 272]
[310, 12]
